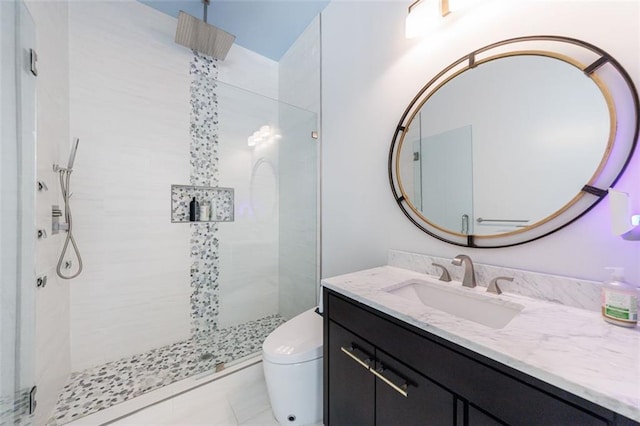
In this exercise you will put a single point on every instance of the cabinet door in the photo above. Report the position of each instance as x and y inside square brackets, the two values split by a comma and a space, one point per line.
[351, 386]
[404, 397]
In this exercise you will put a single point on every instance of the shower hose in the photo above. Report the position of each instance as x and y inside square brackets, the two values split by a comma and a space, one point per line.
[65, 179]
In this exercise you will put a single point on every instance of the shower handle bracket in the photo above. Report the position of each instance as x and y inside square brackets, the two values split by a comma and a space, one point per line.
[56, 225]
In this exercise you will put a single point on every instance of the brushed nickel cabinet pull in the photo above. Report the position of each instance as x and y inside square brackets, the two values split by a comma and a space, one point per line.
[350, 351]
[402, 389]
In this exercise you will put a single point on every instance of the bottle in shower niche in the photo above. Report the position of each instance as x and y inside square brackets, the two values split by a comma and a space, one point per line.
[194, 210]
[204, 212]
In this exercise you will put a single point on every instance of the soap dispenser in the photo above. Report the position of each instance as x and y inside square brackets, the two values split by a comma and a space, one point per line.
[619, 300]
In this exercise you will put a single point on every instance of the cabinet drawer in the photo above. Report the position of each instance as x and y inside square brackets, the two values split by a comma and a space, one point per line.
[499, 390]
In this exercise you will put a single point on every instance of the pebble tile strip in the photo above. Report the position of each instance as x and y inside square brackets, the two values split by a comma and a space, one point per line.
[101, 387]
[204, 130]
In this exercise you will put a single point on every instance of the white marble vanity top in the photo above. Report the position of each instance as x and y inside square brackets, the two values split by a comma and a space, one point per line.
[570, 348]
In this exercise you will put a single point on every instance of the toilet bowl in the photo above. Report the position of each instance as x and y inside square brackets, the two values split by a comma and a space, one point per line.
[292, 363]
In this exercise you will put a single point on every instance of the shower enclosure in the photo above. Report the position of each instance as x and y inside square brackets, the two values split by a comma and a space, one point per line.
[160, 298]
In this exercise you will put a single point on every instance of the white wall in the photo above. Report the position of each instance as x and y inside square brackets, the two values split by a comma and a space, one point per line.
[371, 73]
[52, 354]
[299, 70]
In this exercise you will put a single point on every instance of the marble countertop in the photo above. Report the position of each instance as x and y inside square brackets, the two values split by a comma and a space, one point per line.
[570, 348]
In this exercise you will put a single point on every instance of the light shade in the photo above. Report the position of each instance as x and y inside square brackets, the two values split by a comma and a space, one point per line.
[424, 15]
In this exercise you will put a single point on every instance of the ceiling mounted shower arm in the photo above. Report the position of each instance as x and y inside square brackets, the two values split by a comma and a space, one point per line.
[204, 12]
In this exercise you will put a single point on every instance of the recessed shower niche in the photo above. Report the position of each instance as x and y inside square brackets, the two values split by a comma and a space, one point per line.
[217, 200]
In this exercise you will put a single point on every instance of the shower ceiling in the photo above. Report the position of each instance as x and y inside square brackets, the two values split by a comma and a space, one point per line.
[267, 27]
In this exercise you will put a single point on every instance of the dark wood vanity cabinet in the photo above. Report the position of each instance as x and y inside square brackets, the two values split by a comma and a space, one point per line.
[372, 359]
[358, 396]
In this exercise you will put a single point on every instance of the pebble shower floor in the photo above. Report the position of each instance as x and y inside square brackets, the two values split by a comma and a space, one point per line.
[101, 387]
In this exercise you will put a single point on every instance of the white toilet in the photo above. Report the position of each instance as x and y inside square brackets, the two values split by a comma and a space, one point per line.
[292, 362]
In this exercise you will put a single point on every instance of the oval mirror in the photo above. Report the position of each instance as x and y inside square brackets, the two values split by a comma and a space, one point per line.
[514, 141]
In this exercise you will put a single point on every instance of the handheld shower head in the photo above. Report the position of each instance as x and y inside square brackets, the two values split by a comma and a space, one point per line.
[72, 155]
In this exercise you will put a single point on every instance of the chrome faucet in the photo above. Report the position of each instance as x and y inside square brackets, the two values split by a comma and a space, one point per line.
[469, 279]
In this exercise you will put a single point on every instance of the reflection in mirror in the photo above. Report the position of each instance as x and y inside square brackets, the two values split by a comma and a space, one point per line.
[505, 144]
[442, 168]
[508, 145]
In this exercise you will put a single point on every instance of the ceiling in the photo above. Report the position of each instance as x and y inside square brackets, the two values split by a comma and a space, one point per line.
[267, 27]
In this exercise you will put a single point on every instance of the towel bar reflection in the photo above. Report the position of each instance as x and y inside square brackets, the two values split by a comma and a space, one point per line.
[480, 220]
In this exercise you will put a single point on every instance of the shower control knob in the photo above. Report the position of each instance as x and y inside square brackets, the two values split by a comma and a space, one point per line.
[41, 281]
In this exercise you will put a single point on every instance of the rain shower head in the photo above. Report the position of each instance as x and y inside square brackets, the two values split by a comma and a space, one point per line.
[205, 38]
[72, 155]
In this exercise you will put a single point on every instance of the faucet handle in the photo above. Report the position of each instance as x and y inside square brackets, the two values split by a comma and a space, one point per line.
[444, 276]
[493, 285]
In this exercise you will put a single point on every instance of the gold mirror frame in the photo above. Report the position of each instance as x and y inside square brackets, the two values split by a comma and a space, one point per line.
[622, 101]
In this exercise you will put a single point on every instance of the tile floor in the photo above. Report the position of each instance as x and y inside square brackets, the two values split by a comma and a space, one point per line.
[111, 384]
[237, 399]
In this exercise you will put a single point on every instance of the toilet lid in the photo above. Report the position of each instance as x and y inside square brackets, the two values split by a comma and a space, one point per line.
[297, 340]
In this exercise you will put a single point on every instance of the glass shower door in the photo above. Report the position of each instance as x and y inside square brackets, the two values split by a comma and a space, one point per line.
[17, 219]
[268, 255]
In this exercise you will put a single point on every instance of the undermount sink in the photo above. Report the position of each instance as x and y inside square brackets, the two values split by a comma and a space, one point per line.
[460, 302]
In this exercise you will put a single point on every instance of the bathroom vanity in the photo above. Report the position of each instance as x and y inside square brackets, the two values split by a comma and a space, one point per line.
[389, 360]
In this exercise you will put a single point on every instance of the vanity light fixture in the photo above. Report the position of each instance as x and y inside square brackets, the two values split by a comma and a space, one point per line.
[423, 15]
[426, 15]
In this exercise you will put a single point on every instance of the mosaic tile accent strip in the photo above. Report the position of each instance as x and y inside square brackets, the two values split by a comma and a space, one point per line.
[205, 299]
[101, 387]
[204, 172]
[219, 199]
[204, 121]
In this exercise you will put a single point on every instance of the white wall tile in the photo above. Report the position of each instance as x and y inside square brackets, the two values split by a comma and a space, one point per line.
[250, 71]
[134, 143]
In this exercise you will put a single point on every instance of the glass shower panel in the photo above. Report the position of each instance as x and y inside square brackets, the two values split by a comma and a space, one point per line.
[267, 256]
[17, 221]
[298, 219]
